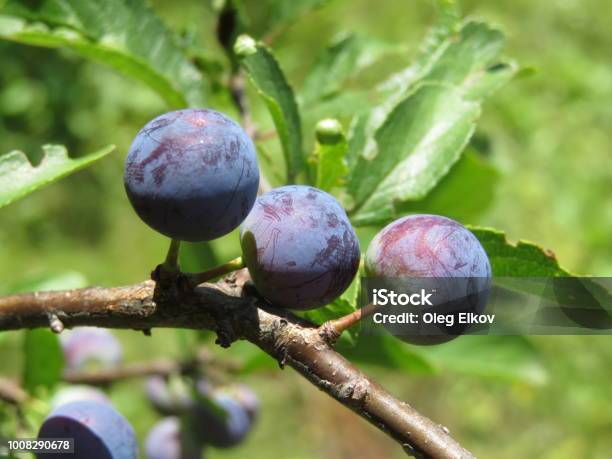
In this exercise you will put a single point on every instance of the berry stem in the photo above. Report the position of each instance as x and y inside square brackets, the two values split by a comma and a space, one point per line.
[217, 271]
[171, 264]
[334, 328]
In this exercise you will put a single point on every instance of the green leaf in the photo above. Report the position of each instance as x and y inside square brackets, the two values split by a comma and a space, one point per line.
[523, 259]
[329, 155]
[463, 194]
[417, 145]
[395, 88]
[270, 82]
[526, 267]
[504, 358]
[346, 57]
[400, 152]
[44, 360]
[439, 37]
[126, 35]
[19, 178]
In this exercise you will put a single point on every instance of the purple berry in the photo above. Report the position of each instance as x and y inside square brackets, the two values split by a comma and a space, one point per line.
[98, 430]
[192, 174]
[222, 422]
[244, 395]
[433, 251]
[164, 440]
[299, 247]
[167, 440]
[89, 346]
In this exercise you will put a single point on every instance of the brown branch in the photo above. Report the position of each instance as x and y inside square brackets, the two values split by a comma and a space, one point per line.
[231, 310]
[105, 376]
[158, 367]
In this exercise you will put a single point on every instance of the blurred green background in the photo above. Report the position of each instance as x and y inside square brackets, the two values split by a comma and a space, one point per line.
[547, 133]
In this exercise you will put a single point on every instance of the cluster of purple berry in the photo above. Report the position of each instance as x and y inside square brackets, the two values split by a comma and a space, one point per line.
[198, 415]
[192, 175]
[194, 417]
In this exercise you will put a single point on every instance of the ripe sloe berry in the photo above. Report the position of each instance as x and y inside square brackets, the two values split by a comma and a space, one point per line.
[439, 254]
[99, 431]
[299, 247]
[90, 346]
[168, 440]
[192, 174]
[222, 423]
[244, 395]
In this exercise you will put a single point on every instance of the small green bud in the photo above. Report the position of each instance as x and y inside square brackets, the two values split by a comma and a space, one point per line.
[329, 131]
[245, 46]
